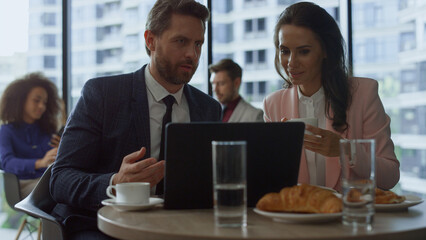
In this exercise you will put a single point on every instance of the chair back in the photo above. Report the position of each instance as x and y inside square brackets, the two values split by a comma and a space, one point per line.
[12, 189]
[40, 204]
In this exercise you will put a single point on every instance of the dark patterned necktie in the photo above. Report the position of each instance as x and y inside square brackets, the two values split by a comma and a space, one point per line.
[169, 101]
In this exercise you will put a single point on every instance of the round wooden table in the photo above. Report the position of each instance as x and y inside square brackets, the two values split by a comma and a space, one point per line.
[199, 224]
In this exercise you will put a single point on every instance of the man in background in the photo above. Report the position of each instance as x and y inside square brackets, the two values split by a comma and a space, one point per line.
[226, 75]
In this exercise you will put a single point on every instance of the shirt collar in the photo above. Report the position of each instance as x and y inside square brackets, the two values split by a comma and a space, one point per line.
[233, 104]
[158, 91]
[319, 95]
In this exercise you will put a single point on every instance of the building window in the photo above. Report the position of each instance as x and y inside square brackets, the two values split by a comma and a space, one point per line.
[48, 19]
[255, 28]
[49, 2]
[49, 62]
[49, 40]
[255, 91]
[262, 88]
[249, 57]
[248, 26]
[408, 80]
[261, 24]
[223, 6]
[249, 88]
[262, 56]
[286, 2]
[254, 3]
[255, 59]
[224, 33]
[408, 41]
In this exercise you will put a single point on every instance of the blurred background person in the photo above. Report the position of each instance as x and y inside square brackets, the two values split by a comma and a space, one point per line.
[226, 80]
[29, 111]
[310, 52]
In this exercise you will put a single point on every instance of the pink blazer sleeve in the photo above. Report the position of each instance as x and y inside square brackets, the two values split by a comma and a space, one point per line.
[368, 120]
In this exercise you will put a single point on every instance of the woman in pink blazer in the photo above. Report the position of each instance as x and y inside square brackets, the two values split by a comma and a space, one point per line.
[310, 58]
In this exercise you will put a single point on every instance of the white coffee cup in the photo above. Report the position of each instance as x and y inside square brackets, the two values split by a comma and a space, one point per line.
[310, 121]
[130, 193]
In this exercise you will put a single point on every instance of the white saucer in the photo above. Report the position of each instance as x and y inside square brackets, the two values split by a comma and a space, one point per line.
[132, 207]
[410, 201]
[299, 217]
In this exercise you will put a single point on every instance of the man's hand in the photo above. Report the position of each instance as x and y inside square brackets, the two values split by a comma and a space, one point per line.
[322, 141]
[147, 170]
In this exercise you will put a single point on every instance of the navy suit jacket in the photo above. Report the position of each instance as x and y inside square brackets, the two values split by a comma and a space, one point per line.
[110, 121]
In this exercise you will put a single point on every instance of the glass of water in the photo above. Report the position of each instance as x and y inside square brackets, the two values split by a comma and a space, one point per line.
[357, 159]
[229, 183]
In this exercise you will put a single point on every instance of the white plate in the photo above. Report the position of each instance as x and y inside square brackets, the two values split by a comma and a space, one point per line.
[410, 200]
[299, 217]
[132, 207]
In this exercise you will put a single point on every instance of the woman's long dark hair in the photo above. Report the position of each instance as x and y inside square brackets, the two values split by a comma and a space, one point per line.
[334, 73]
[15, 95]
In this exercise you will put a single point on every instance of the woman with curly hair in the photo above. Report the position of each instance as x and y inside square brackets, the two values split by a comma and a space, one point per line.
[29, 111]
[310, 57]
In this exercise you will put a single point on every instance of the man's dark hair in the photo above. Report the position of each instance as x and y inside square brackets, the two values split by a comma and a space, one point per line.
[161, 13]
[232, 68]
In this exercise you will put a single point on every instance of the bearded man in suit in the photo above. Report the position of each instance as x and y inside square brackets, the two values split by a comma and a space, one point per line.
[114, 133]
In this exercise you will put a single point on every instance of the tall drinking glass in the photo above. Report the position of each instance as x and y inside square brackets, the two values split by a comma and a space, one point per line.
[357, 159]
[229, 183]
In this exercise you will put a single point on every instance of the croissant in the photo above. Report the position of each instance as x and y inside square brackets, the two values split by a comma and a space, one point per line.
[302, 198]
[387, 197]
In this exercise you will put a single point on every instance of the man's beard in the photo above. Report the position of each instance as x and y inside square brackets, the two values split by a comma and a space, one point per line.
[171, 74]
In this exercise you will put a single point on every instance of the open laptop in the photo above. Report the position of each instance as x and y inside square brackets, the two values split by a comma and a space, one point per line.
[273, 158]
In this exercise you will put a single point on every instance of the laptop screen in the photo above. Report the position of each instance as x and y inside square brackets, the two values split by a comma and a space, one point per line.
[273, 158]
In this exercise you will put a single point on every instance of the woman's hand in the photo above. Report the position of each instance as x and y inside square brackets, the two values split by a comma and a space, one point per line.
[48, 159]
[322, 141]
[54, 141]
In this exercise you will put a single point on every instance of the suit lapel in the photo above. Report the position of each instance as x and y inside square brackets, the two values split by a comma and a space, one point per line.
[141, 110]
[195, 112]
[238, 111]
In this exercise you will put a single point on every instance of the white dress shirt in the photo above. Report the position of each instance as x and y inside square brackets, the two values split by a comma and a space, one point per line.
[157, 109]
[314, 107]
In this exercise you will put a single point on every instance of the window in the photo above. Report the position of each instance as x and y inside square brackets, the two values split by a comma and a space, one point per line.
[249, 57]
[254, 3]
[49, 62]
[385, 37]
[261, 24]
[254, 91]
[408, 41]
[286, 2]
[48, 19]
[224, 33]
[255, 28]
[110, 40]
[255, 59]
[248, 25]
[49, 2]
[408, 79]
[223, 6]
[249, 88]
[262, 56]
[49, 40]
